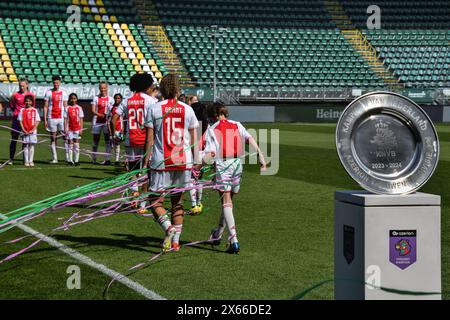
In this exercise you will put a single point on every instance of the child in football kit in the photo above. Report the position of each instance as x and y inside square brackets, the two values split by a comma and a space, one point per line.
[73, 124]
[117, 129]
[225, 145]
[29, 121]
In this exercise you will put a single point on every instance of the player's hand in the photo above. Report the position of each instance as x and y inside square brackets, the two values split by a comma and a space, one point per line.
[263, 165]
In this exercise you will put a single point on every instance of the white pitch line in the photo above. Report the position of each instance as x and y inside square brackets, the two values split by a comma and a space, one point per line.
[149, 294]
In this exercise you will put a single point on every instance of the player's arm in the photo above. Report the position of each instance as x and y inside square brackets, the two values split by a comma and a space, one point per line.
[114, 119]
[81, 125]
[194, 146]
[12, 103]
[36, 126]
[149, 141]
[38, 121]
[66, 123]
[252, 142]
[210, 150]
[46, 112]
[94, 109]
[21, 123]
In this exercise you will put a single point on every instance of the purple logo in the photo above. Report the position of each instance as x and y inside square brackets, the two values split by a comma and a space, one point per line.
[403, 247]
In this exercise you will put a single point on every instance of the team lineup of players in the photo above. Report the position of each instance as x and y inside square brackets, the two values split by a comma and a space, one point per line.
[163, 135]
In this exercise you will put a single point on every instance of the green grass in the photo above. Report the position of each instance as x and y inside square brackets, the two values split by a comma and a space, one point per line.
[285, 225]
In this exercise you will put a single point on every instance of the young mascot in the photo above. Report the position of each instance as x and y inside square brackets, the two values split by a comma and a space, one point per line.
[225, 145]
[74, 128]
[29, 121]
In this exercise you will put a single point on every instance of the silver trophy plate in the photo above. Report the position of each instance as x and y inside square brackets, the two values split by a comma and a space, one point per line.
[387, 143]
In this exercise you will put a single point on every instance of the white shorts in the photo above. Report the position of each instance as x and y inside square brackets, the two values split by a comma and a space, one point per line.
[134, 154]
[73, 135]
[56, 125]
[161, 181]
[228, 175]
[29, 138]
[98, 128]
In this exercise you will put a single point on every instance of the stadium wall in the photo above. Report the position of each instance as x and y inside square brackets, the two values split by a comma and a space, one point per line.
[324, 112]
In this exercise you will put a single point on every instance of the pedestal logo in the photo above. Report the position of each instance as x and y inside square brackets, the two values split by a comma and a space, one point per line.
[403, 247]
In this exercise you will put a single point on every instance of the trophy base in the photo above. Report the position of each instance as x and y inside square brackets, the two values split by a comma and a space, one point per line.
[387, 247]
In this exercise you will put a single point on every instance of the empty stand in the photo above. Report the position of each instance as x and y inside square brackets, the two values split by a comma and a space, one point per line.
[415, 14]
[421, 58]
[269, 56]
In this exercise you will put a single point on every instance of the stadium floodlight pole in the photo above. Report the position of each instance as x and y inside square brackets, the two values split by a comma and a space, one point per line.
[214, 33]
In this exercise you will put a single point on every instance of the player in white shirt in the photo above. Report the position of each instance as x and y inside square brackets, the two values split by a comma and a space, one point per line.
[101, 106]
[225, 144]
[171, 137]
[54, 106]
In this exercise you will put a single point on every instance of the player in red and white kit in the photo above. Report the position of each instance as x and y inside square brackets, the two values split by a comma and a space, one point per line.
[171, 137]
[136, 110]
[117, 130]
[225, 143]
[16, 103]
[55, 104]
[73, 123]
[101, 105]
[29, 121]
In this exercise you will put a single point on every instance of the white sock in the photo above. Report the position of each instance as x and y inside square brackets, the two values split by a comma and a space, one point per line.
[26, 153]
[178, 230]
[31, 153]
[229, 218]
[193, 193]
[117, 153]
[70, 153]
[164, 222]
[54, 153]
[67, 148]
[199, 196]
[77, 152]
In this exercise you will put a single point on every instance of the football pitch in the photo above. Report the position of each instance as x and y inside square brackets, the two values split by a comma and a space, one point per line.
[284, 223]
